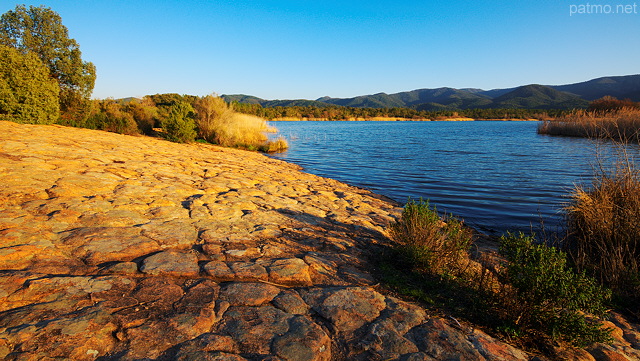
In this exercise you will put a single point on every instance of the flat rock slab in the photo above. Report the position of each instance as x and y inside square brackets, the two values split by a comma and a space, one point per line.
[171, 263]
[96, 245]
[290, 271]
[248, 294]
[348, 309]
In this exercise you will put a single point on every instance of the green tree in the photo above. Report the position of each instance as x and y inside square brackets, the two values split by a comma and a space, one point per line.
[40, 30]
[179, 125]
[27, 93]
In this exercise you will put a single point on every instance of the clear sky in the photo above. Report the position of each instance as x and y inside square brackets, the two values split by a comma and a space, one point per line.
[309, 49]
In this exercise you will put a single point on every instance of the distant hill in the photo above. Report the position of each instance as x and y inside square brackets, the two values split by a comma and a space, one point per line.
[532, 96]
[380, 100]
[248, 99]
[294, 103]
[538, 97]
[621, 87]
[241, 98]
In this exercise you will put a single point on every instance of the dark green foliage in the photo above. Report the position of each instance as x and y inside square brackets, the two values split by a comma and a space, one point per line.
[426, 103]
[27, 92]
[549, 295]
[112, 116]
[179, 125]
[334, 112]
[40, 30]
[241, 98]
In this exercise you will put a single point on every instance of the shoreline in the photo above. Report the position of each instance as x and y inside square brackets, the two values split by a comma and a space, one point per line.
[394, 119]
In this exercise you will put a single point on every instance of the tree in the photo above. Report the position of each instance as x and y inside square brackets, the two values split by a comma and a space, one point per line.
[40, 30]
[27, 92]
[179, 125]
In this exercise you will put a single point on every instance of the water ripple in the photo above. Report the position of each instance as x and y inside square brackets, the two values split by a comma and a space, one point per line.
[496, 175]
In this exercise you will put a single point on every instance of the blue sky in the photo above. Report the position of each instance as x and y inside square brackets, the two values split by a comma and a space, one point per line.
[309, 49]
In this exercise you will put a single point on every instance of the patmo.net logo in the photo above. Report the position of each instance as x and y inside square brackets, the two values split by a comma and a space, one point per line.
[605, 9]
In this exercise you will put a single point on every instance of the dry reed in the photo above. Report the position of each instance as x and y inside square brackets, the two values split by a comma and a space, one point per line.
[618, 124]
[429, 243]
[604, 227]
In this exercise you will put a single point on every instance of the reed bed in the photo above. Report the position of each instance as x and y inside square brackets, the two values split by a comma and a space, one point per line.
[604, 228]
[618, 124]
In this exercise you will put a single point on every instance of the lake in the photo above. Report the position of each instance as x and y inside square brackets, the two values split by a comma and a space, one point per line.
[495, 175]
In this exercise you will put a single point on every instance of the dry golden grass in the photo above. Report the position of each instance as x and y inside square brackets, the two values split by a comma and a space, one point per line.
[276, 146]
[218, 123]
[618, 124]
[604, 227]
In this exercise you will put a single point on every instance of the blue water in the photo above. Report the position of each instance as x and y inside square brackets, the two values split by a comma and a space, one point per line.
[497, 176]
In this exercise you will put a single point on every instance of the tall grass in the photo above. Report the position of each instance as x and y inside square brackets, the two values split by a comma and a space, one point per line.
[604, 228]
[429, 243]
[618, 124]
[218, 123]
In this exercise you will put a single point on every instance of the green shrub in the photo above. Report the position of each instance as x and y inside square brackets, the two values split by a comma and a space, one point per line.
[548, 294]
[428, 242]
[179, 125]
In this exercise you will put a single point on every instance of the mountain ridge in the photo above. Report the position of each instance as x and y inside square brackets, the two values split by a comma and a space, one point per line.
[532, 96]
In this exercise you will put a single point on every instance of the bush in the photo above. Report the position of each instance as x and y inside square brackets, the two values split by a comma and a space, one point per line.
[179, 125]
[548, 295]
[528, 291]
[429, 243]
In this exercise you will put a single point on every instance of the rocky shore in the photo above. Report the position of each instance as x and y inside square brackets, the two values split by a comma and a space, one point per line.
[116, 247]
